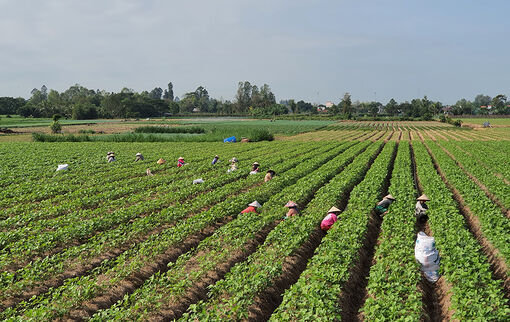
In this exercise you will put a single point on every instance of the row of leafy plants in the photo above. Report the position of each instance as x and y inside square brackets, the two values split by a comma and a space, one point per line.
[90, 203]
[76, 290]
[474, 294]
[316, 294]
[232, 297]
[191, 269]
[493, 224]
[495, 185]
[32, 240]
[495, 155]
[216, 190]
[88, 167]
[393, 281]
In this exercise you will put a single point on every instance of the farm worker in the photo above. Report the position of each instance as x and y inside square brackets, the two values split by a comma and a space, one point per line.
[427, 255]
[161, 161]
[252, 207]
[149, 173]
[215, 160]
[233, 164]
[330, 218]
[180, 162]
[139, 157]
[293, 209]
[421, 207]
[110, 156]
[383, 205]
[269, 175]
[255, 168]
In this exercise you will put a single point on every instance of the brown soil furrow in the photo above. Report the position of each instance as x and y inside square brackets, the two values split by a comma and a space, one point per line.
[430, 135]
[442, 137]
[173, 310]
[59, 248]
[268, 300]
[436, 296]
[135, 280]
[81, 269]
[498, 265]
[489, 194]
[420, 135]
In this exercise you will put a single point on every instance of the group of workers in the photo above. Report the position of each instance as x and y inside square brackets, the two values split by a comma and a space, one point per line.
[425, 251]
[255, 169]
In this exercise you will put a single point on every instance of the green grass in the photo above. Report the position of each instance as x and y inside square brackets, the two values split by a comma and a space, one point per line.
[480, 121]
[19, 121]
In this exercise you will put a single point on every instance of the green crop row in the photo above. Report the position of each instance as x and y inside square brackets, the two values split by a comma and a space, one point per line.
[70, 296]
[495, 185]
[229, 240]
[474, 293]
[105, 242]
[494, 225]
[89, 169]
[231, 297]
[494, 154]
[316, 294]
[115, 198]
[393, 281]
[32, 240]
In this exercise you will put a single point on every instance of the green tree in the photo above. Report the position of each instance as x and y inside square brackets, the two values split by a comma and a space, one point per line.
[169, 93]
[346, 105]
[156, 93]
[55, 126]
[499, 104]
[392, 107]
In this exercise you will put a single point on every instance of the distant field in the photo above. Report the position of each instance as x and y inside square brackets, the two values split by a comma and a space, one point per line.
[18, 121]
[480, 121]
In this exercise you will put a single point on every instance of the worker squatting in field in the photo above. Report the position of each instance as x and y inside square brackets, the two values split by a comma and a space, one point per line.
[382, 206]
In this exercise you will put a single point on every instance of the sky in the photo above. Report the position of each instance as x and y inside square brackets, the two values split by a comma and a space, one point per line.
[303, 49]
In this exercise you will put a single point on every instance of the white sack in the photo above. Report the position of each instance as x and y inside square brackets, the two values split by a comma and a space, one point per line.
[62, 167]
[427, 255]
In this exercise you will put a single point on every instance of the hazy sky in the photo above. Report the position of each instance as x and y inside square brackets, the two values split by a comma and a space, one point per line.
[311, 50]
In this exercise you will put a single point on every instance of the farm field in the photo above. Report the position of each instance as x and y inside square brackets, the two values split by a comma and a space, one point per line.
[104, 241]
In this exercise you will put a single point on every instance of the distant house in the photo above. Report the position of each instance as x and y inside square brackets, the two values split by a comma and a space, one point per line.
[447, 110]
[196, 110]
[321, 108]
[329, 104]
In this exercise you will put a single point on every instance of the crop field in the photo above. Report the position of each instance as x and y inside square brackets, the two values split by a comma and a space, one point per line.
[104, 241]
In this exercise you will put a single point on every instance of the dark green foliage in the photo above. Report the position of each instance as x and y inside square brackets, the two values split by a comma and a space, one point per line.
[176, 129]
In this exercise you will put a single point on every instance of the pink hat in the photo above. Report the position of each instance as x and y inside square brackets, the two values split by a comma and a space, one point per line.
[291, 204]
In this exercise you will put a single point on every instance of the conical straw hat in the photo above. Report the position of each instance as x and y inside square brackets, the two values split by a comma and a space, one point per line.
[180, 158]
[423, 198]
[138, 154]
[255, 204]
[334, 209]
[390, 197]
[291, 204]
[161, 161]
[256, 163]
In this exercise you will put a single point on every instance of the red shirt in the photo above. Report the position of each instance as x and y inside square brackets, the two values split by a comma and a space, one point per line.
[328, 221]
[249, 209]
[180, 163]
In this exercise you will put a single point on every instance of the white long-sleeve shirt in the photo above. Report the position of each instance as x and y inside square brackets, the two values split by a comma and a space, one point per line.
[420, 209]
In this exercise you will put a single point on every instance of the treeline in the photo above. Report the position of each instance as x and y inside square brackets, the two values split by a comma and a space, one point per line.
[79, 102]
